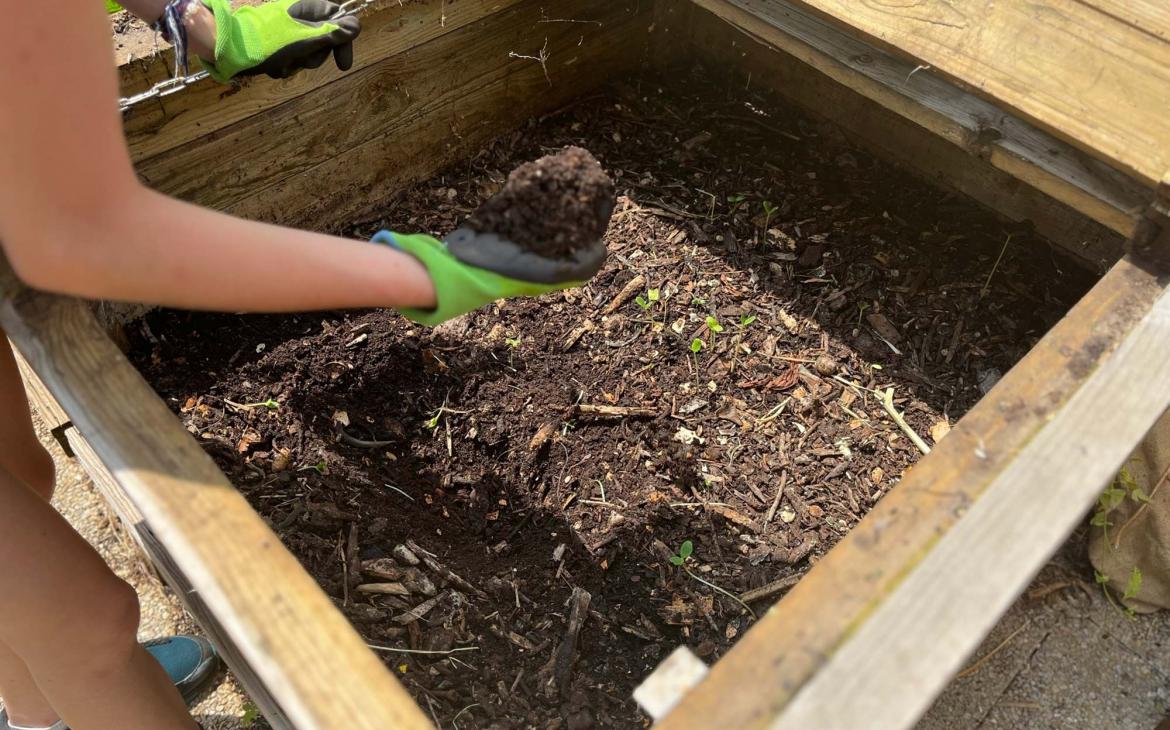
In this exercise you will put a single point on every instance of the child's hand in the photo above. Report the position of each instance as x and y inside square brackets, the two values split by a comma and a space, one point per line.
[462, 285]
[278, 38]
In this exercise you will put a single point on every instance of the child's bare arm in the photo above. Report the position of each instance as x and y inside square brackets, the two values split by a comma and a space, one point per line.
[74, 218]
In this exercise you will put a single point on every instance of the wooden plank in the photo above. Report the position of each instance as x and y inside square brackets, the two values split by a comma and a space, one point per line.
[470, 67]
[389, 27]
[1081, 74]
[1148, 16]
[978, 126]
[270, 611]
[51, 412]
[754, 62]
[886, 675]
[480, 111]
[801, 633]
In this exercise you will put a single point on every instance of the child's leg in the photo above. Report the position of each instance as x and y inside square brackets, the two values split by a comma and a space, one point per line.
[63, 614]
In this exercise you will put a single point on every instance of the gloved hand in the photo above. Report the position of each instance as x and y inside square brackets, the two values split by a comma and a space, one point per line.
[278, 38]
[463, 283]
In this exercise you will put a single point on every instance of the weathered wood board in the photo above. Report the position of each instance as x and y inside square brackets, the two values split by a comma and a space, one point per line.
[1095, 74]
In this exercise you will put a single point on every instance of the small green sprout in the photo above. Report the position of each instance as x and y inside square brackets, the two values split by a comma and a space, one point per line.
[696, 345]
[697, 302]
[715, 327]
[512, 342]
[769, 211]
[433, 422]
[746, 319]
[270, 404]
[251, 715]
[680, 559]
[642, 302]
[736, 200]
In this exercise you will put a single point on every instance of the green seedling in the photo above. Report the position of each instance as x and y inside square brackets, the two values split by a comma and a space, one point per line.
[512, 342]
[696, 345]
[112, 7]
[251, 715]
[270, 404]
[745, 320]
[680, 561]
[736, 201]
[715, 327]
[645, 302]
[769, 211]
[697, 302]
[1124, 487]
[1132, 586]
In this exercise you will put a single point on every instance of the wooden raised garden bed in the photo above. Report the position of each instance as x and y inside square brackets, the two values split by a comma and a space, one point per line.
[798, 231]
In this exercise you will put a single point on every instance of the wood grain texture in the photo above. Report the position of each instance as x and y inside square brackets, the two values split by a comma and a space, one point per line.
[269, 609]
[799, 636]
[1092, 80]
[753, 62]
[1148, 16]
[976, 125]
[463, 69]
[886, 675]
[389, 27]
[356, 185]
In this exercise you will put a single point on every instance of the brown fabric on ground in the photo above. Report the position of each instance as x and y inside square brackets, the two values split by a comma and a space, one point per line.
[1138, 533]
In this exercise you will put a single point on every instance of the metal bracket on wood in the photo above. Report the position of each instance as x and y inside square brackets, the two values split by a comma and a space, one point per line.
[62, 438]
[1151, 239]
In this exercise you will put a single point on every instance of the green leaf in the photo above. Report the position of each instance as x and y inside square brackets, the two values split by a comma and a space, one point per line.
[112, 7]
[745, 319]
[251, 715]
[1100, 577]
[641, 302]
[713, 324]
[686, 549]
[512, 342]
[1133, 585]
[653, 295]
[1111, 498]
[1101, 519]
[737, 198]
[676, 560]
[271, 405]
[1139, 495]
[696, 345]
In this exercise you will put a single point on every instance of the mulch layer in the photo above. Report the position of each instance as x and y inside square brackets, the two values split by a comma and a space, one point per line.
[505, 491]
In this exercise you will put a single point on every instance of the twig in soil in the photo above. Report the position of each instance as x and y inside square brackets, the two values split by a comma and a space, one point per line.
[541, 58]
[443, 570]
[770, 589]
[887, 399]
[617, 411]
[987, 284]
[776, 502]
[568, 648]
[396, 489]
[420, 610]
[360, 443]
[627, 291]
[423, 651]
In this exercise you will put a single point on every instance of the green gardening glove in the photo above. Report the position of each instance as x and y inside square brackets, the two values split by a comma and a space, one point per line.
[278, 38]
[471, 269]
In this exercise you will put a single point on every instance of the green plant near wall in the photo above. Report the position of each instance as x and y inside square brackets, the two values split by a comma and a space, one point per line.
[112, 7]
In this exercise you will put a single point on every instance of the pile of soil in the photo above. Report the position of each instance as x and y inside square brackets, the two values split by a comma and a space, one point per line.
[553, 206]
[507, 489]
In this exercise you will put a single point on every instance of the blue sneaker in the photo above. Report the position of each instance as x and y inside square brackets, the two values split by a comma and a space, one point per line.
[190, 661]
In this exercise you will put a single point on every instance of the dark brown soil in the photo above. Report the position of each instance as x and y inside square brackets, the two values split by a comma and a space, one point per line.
[553, 206]
[764, 277]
